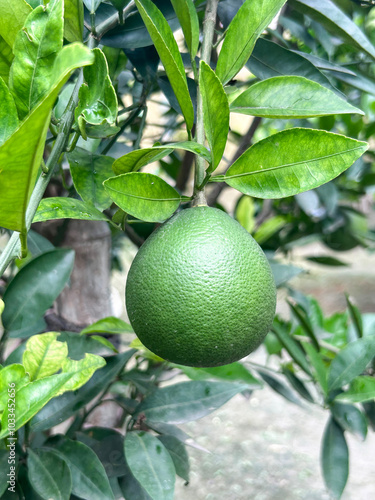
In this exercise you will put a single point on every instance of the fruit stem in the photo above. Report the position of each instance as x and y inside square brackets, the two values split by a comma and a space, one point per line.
[208, 36]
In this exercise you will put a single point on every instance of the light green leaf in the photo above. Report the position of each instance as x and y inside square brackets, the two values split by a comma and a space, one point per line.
[335, 459]
[361, 389]
[133, 161]
[89, 171]
[66, 208]
[268, 228]
[97, 108]
[2, 305]
[11, 374]
[145, 196]
[245, 213]
[44, 355]
[12, 18]
[249, 22]
[8, 113]
[235, 372]
[6, 58]
[215, 112]
[151, 464]
[21, 154]
[187, 401]
[290, 97]
[35, 287]
[81, 370]
[35, 51]
[276, 168]
[350, 362]
[163, 39]
[110, 325]
[49, 475]
[73, 20]
[187, 15]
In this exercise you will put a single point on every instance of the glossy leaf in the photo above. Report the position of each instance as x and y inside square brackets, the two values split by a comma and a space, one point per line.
[215, 112]
[81, 370]
[334, 459]
[334, 19]
[131, 488]
[249, 22]
[8, 113]
[245, 213]
[21, 154]
[178, 454]
[89, 171]
[293, 348]
[297, 384]
[44, 355]
[275, 168]
[187, 15]
[11, 374]
[89, 479]
[35, 50]
[73, 20]
[49, 475]
[278, 386]
[5, 59]
[151, 464]
[66, 208]
[350, 362]
[133, 161]
[38, 244]
[350, 418]
[235, 372]
[145, 196]
[163, 39]
[109, 325]
[320, 369]
[97, 108]
[187, 401]
[34, 289]
[323, 64]
[92, 5]
[12, 19]
[290, 97]
[361, 389]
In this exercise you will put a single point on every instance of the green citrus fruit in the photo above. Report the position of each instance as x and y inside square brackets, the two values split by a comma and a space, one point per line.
[200, 291]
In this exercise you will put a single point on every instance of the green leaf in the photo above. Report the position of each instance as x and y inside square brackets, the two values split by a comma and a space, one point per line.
[350, 362]
[21, 154]
[81, 371]
[11, 374]
[89, 171]
[251, 19]
[178, 454]
[138, 158]
[37, 45]
[326, 260]
[6, 58]
[66, 208]
[92, 5]
[293, 348]
[278, 386]
[276, 168]
[350, 418]
[268, 228]
[4, 456]
[320, 369]
[2, 305]
[12, 19]
[109, 325]
[290, 97]
[8, 113]
[334, 459]
[73, 20]
[235, 372]
[245, 213]
[151, 464]
[49, 475]
[44, 355]
[361, 389]
[215, 112]
[188, 17]
[145, 196]
[35, 287]
[282, 273]
[89, 479]
[334, 19]
[297, 384]
[97, 107]
[187, 401]
[163, 39]
[355, 316]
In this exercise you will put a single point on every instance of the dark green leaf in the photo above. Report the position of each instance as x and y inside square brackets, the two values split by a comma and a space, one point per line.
[179, 455]
[89, 171]
[73, 20]
[162, 37]
[235, 372]
[350, 362]
[110, 325]
[323, 64]
[49, 475]
[145, 196]
[187, 401]
[35, 288]
[92, 5]
[293, 347]
[172, 430]
[38, 244]
[8, 113]
[66, 208]
[131, 488]
[79, 345]
[358, 81]
[320, 369]
[215, 112]
[151, 464]
[350, 418]
[305, 321]
[297, 384]
[361, 389]
[275, 168]
[249, 22]
[4, 470]
[355, 316]
[278, 386]
[326, 260]
[12, 19]
[187, 15]
[290, 97]
[334, 459]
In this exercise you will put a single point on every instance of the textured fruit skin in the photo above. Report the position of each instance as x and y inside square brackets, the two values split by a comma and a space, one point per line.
[200, 291]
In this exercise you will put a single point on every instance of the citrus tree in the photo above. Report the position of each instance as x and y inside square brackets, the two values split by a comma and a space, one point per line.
[77, 82]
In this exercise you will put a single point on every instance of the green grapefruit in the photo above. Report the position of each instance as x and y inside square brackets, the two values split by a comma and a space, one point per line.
[200, 291]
